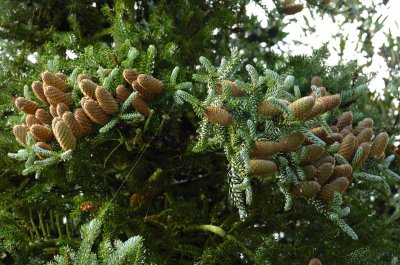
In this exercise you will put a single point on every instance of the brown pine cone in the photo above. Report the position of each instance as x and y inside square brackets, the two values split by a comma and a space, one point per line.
[327, 159]
[53, 111]
[365, 123]
[43, 146]
[41, 133]
[130, 75]
[30, 120]
[61, 109]
[150, 83]
[264, 149]
[346, 119]
[235, 90]
[365, 136]
[320, 133]
[43, 116]
[309, 172]
[261, 167]
[292, 9]
[338, 185]
[51, 79]
[106, 101]
[84, 122]
[218, 115]
[334, 137]
[64, 136]
[140, 105]
[56, 96]
[37, 88]
[316, 81]
[316, 110]
[323, 173]
[379, 145]
[292, 142]
[312, 152]
[366, 148]
[344, 170]
[347, 147]
[26, 105]
[122, 93]
[88, 88]
[268, 109]
[55, 121]
[95, 112]
[301, 108]
[306, 189]
[81, 77]
[345, 131]
[20, 131]
[315, 261]
[71, 122]
[144, 92]
[62, 76]
[329, 102]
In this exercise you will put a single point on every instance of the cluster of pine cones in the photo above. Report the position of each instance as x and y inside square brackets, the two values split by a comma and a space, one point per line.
[54, 116]
[324, 173]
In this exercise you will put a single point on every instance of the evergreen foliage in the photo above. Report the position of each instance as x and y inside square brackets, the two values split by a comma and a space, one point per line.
[190, 151]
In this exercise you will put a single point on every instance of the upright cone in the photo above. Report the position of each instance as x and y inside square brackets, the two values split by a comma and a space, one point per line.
[365, 123]
[347, 147]
[51, 79]
[85, 123]
[88, 88]
[95, 112]
[292, 142]
[306, 189]
[41, 133]
[329, 102]
[56, 96]
[338, 185]
[346, 119]
[37, 88]
[30, 120]
[64, 136]
[106, 101]
[218, 115]
[379, 145]
[145, 93]
[43, 116]
[150, 83]
[316, 81]
[141, 106]
[264, 149]
[20, 132]
[235, 90]
[72, 123]
[26, 105]
[61, 109]
[359, 160]
[302, 107]
[259, 167]
[122, 93]
[130, 75]
[323, 173]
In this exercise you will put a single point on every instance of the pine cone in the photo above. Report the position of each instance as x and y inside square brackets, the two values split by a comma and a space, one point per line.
[334, 129]
[151, 84]
[315, 261]
[20, 131]
[218, 115]
[235, 90]
[81, 77]
[56, 96]
[130, 75]
[347, 147]
[62, 76]
[320, 133]
[292, 9]
[264, 149]
[268, 109]
[122, 93]
[260, 167]
[344, 170]
[312, 152]
[316, 81]
[88, 88]
[145, 93]
[365, 123]
[365, 136]
[358, 161]
[140, 105]
[327, 159]
[52, 80]
[346, 119]
[30, 120]
[329, 102]
[37, 88]
[54, 122]
[43, 116]
[43, 146]
[345, 131]
[338, 185]
[53, 111]
[41, 133]
[334, 137]
[301, 108]
[316, 110]
[85, 123]
[292, 142]
[61, 109]
[95, 112]
[64, 136]
[323, 173]
[309, 172]
[106, 101]
[71, 122]
[26, 105]
[306, 189]
[379, 145]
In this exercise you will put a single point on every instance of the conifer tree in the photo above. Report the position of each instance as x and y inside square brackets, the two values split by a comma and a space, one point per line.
[172, 138]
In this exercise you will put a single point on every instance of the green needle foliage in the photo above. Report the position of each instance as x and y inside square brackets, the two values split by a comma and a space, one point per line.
[222, 152]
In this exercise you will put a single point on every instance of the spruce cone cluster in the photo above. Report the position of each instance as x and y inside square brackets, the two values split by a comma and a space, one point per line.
[53, 116]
